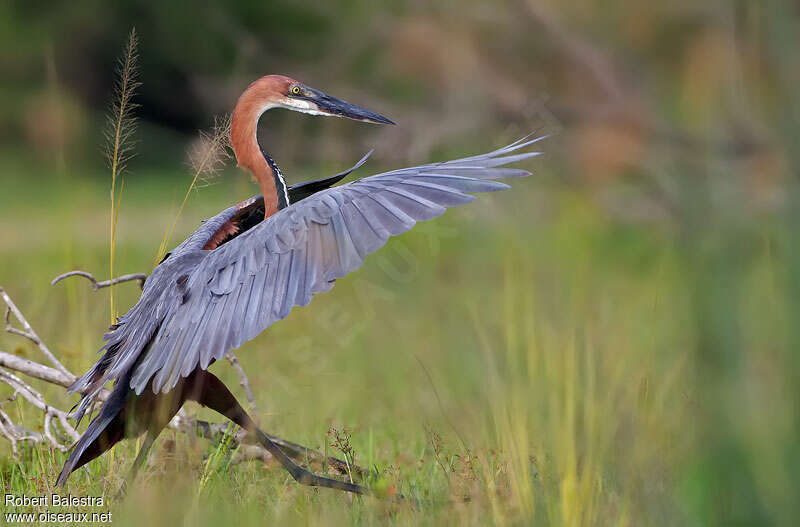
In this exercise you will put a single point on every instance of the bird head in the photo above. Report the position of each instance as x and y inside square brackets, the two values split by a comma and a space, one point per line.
[279, 91]
[301, 98]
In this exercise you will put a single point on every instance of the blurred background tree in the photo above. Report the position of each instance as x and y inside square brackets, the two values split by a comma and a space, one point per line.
[680, 117]
[636, 88]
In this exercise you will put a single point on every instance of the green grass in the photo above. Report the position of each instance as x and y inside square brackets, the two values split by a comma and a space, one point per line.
[527, 350]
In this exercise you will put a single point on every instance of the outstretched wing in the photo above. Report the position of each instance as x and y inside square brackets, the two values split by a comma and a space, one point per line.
[255, 279]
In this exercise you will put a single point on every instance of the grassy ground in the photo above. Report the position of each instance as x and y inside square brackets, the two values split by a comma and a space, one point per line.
[527, 351]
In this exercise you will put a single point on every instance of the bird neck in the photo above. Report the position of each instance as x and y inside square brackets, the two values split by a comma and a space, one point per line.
[281, 190]
[249, 155]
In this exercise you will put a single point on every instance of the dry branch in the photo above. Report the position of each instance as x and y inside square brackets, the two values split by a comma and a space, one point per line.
[35, 370]
[62, 436]
[11, 431]
[27, 331]
[244, 382]
[139, 277]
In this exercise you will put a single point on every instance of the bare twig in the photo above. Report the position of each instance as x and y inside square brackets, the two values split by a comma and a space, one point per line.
[15, 433]
[139, 277]
[27, 331]
[36, 370]
[182, 422]
[35, 398]
[215, 432]
[244, 382]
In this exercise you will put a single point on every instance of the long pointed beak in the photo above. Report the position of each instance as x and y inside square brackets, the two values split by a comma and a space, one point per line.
[339, 108]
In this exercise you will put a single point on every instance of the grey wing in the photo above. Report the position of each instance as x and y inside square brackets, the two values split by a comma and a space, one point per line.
[254, 280]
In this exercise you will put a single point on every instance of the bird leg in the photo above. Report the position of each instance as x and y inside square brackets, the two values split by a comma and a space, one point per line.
[212, 393]
[149, 438]
[152, 412]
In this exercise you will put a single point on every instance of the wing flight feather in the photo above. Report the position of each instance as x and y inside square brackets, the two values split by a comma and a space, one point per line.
[245, 285]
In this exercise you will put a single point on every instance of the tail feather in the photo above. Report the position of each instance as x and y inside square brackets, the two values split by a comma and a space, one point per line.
[105, 430]
[92, 382]
[103, 433]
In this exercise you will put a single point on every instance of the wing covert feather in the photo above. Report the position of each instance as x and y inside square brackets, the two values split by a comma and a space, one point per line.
[245, 285]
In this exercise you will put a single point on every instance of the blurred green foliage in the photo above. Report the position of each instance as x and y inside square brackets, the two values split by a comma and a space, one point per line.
[613, 339]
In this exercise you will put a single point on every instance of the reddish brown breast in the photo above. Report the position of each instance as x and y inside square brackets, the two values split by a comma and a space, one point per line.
[229, 228]
[249, 213]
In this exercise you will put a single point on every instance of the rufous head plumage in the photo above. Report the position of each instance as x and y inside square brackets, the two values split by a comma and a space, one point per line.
[280, 91]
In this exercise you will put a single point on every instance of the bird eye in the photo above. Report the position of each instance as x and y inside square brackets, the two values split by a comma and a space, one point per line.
[295, 90]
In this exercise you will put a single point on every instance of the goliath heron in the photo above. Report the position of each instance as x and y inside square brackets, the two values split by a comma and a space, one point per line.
[245, 269]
